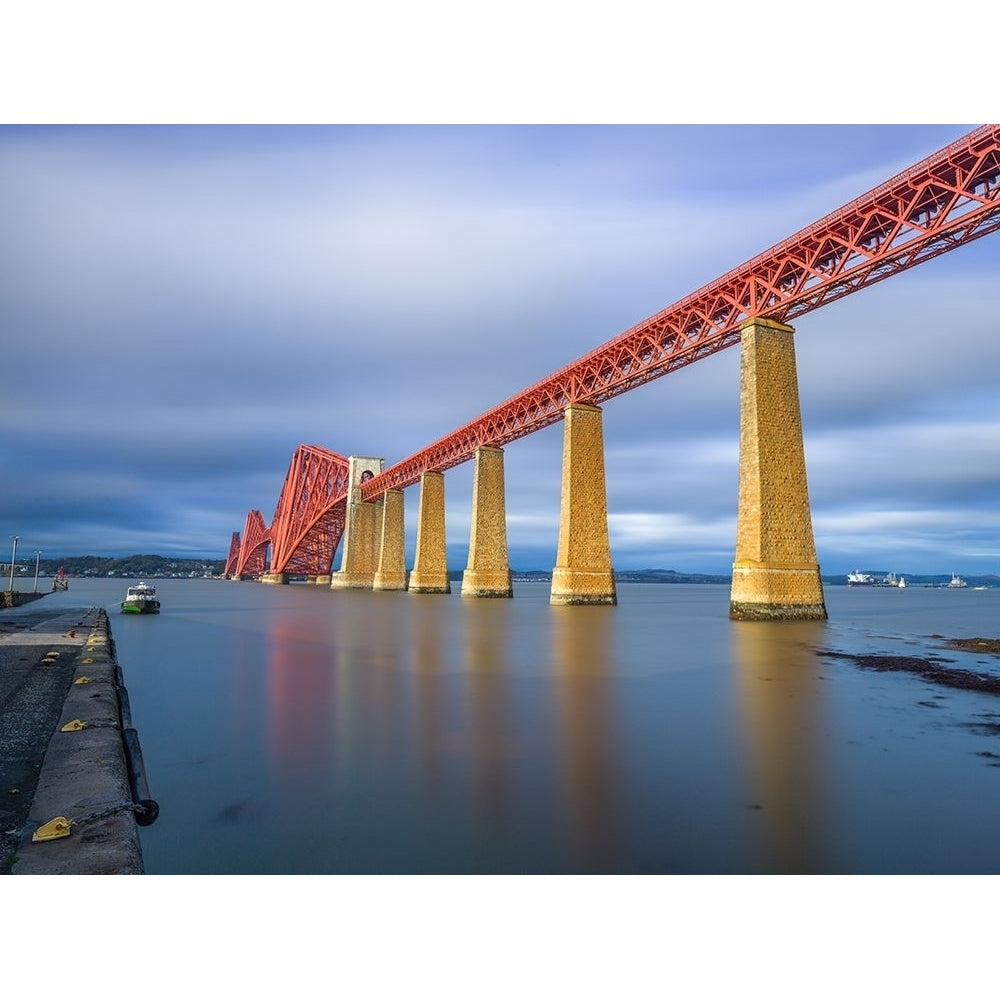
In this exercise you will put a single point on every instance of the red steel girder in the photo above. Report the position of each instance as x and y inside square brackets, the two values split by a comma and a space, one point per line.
[309, 517]
[234, 555]
[253, 547]
[314, 554]
[943, 202]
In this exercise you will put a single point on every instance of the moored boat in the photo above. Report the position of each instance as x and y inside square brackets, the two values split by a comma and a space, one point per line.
[141, 599]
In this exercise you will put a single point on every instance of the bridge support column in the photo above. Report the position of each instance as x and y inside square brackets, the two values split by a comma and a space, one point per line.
[583, 573]
[775, 572]
[488, 571]
[274, 578]
[391, 572]
[430, 566]
[361, 530]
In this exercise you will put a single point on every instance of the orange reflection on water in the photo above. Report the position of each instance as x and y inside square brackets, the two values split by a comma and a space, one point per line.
[299, 693]
[582, 678]
[778, 682]
[434, 732]
[486, 630]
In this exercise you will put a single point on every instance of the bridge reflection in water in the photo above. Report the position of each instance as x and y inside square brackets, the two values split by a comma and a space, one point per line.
[459, 739]
[780, 691]
[304, 732]
[583, 675]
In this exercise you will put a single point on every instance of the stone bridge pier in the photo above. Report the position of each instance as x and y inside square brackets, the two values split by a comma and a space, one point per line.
[775, 572]
[362, 530]
[488, 571]
[583, 573]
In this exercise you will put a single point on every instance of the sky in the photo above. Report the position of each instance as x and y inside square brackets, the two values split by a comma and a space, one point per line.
[182, 306]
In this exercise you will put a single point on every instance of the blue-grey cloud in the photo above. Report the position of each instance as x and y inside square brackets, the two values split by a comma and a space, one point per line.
[181, 307]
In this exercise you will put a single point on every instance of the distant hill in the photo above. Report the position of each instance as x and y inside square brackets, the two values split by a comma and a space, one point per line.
[668, 576]
[621, 576]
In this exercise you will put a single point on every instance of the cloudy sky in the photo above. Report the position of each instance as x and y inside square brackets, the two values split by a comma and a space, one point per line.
[181, 306]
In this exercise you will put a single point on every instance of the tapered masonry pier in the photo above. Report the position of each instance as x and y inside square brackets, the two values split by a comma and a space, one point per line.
[775, 572]
[430, 567]
[362, 529]
[391, 572]
[583, 573]
[488, 571]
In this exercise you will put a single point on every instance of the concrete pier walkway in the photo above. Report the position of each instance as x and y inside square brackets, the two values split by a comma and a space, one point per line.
[59, 670]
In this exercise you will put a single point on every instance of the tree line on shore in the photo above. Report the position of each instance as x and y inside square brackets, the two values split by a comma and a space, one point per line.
[128, 566]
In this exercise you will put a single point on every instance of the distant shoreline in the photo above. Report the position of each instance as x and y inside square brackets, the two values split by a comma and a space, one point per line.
[171, 567]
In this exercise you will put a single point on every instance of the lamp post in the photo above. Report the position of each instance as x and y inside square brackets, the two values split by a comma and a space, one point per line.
[38, 556]
[13, 556]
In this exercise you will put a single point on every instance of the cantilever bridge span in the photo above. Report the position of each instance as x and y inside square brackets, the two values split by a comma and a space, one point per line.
[307, 524]
[945, 201]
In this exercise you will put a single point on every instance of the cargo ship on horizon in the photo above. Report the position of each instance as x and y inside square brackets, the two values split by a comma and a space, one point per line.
[859, 579]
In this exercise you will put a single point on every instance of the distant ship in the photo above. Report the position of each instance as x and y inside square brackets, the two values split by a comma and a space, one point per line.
[859, 579]
[957, 581]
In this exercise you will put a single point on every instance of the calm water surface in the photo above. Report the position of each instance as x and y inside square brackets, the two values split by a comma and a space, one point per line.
[299, 730]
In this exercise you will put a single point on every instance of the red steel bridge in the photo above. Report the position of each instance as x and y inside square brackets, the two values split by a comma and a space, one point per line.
[943, 202]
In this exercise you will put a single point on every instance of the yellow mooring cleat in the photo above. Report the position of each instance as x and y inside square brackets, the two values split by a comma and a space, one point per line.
[53, 830]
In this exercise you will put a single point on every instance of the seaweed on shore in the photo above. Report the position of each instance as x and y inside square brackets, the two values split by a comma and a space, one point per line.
[931, 671]
[975, 645]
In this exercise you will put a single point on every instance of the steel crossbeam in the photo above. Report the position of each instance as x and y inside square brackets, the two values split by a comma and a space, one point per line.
[943, 202]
